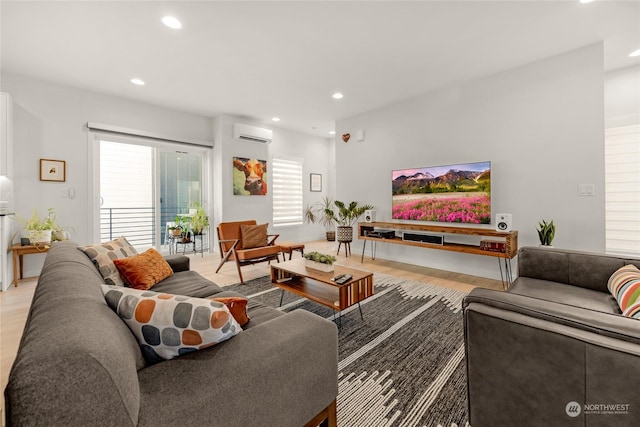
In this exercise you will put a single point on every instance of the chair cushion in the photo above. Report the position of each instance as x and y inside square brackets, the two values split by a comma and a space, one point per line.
[253, 236]
[168, 325]
[144, 270]
[103, 254]
[247, 254]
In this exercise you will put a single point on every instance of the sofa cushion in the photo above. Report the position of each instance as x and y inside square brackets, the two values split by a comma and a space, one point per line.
[624, 285]
[168, 325]
[103, 254]
[188, 283]
[144, 270]
[592, 270]
[253, 236]
[565, 294]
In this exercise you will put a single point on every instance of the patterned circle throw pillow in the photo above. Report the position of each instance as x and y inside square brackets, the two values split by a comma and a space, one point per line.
[168, 325]
[103, 254]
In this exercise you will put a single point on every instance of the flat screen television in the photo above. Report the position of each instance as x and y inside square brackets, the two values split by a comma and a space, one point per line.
[452, 193]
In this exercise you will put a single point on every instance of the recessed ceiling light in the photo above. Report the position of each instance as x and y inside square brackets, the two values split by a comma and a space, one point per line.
[337, 95]
[586, 1]
[171, 22]
[635, 53]
[333, 132]
[137, 82]
[276, 119]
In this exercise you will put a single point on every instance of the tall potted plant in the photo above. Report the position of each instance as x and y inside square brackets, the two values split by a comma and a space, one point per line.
[317, 213]
[345, 217]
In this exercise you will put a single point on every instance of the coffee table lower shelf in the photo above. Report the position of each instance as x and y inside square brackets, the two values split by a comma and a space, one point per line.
[319, 288]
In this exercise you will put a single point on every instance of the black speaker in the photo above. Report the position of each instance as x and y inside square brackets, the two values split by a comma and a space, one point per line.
[424, 238]
[504, 222]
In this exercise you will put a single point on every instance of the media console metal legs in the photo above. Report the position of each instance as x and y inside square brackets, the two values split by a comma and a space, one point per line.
[505, 277]
[373, 250]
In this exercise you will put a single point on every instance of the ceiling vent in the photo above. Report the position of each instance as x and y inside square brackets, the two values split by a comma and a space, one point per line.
[252, 133]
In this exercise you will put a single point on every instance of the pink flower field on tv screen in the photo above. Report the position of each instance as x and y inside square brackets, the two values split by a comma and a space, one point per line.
[465, 209]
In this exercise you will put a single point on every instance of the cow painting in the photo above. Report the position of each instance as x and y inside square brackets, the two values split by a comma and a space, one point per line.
[249, 176]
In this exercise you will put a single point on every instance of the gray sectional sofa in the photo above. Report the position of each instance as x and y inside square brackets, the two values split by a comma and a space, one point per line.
[78, 364]
[554, 350]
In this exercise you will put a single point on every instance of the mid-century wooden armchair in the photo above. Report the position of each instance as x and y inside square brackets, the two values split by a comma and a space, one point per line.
[232, 248]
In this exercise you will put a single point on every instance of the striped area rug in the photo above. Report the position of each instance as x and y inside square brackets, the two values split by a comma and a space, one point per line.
[403, 365]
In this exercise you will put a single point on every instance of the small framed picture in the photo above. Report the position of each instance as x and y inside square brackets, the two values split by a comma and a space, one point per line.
[316, 182]
[53, 170]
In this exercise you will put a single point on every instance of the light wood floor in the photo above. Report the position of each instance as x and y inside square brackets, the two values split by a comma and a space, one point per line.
[15, 302]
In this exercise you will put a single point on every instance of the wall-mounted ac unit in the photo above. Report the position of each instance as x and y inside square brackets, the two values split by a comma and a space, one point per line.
[252, 133]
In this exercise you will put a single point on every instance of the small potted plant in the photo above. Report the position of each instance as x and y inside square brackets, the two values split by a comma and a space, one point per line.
[178, 227]
[346, 217]
[199, 220]
[319, 261]
[317, 213]
[546, 232]
[40, 231]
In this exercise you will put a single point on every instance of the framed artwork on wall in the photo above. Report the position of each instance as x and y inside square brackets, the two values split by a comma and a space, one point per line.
[316, 182]
[249, 177]
[53, 170]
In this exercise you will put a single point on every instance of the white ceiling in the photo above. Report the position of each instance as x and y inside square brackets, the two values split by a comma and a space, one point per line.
[263, 59]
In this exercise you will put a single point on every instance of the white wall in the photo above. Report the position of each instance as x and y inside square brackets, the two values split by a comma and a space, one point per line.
[313, 151]
[622, 97]
[49, 122]
[540, 125]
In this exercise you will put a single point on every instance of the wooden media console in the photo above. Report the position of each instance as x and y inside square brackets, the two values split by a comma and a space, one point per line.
[509, 239]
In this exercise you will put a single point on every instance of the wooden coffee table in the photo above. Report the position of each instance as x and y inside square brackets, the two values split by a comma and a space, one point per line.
[317, 286]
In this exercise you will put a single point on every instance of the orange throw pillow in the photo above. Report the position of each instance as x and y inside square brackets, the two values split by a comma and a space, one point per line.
[253, 236]
[144, 270]
[238, 308]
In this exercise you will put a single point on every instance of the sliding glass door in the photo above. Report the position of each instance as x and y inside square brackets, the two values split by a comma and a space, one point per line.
[127, 193]
[180, 186]
[144, 185]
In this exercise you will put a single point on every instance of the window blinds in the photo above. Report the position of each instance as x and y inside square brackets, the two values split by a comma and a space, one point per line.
[622, 190]
[287, 192]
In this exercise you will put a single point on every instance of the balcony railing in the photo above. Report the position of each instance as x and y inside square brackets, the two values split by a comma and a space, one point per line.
[136, 224]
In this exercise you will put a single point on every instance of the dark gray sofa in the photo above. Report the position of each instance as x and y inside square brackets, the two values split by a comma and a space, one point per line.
[78, 364]
[554, 349]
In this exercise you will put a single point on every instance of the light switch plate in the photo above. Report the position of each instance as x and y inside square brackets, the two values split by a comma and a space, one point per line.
[586, 189]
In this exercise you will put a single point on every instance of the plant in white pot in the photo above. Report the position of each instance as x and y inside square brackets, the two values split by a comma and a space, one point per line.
[346, 217]
[42, 231]
[319, 261]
